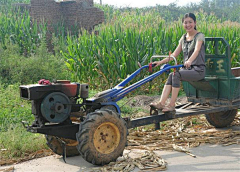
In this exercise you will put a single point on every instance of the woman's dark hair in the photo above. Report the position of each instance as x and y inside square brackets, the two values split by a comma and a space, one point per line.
[191, 15]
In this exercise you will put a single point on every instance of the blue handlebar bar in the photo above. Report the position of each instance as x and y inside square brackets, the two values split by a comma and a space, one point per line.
[121, 93]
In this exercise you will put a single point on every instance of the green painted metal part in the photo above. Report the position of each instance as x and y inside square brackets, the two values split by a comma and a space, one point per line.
[56, 107]
[220, 86]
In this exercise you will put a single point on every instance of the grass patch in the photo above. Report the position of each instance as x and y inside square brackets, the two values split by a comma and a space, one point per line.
[17, 143]
[13, 109]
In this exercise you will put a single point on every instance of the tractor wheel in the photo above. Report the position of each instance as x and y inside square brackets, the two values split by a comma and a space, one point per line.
[102, 137]
[109, 107]
[55, 145]
[221, 119]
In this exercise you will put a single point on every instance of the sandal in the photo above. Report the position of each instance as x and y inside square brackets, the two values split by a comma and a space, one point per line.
[157, 105]
[168, 109]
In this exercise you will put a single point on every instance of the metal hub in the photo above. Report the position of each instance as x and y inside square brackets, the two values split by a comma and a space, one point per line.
[56, 107]
[106, 138]
[59, 107]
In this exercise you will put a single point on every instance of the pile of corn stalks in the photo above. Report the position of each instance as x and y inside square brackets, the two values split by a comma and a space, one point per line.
[149, 161]
[182, 134]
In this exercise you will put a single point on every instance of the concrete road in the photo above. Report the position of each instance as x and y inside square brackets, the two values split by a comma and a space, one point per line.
[209, 158]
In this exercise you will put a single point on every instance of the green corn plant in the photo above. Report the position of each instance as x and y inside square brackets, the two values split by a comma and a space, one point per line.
[131, 36]
[127, 36]
[17, 26]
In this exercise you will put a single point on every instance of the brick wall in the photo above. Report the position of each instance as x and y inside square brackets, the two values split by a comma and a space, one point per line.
[74, 14]
[80, 13]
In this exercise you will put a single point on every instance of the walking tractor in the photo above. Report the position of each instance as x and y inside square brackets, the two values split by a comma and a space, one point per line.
[75, 124]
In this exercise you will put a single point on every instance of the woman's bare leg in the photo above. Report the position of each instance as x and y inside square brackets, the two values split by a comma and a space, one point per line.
[174, 96]
[165, 93]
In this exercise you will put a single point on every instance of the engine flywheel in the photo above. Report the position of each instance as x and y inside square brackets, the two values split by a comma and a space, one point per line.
[56, 107]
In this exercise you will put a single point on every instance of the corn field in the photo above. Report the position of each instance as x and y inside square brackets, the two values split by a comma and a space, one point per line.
[127, 37]
[131, 37]
[16, 27]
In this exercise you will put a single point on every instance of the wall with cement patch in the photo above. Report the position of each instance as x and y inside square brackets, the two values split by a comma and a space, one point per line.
[79, 13]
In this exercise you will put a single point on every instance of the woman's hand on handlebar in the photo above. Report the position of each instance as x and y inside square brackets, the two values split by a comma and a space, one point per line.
[188, 64]
[157, 63]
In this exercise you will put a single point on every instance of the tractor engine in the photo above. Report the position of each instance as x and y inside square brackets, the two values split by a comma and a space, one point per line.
[53, 102]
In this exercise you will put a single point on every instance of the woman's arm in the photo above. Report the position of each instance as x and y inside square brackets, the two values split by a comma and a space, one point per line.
[177, 51]
[198, 46]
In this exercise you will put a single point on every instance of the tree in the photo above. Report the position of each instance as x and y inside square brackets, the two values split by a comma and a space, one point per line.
[227, 3]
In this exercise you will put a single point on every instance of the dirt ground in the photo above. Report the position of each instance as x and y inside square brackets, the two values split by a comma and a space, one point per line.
[179, 140]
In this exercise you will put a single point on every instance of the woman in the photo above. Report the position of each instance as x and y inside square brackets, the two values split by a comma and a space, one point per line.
[192, 45]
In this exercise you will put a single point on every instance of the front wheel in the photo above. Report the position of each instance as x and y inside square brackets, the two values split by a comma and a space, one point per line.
[55, 145]
[221, 119]
[102, 137]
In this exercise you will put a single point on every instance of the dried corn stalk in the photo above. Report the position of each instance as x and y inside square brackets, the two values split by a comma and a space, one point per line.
[149, 161]
[182, 149]
[10, 169]
[185, 132]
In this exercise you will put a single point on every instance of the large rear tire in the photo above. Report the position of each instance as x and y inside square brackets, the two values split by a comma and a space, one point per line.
[102, 137]
[221, 119]
[55, 145]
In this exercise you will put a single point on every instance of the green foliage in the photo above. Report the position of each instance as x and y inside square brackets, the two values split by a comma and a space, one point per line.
[130, 36]
[13, 109]
[15, 68]
[224, 10]
[15, 141]
[18, 143]
[172, 12]
[9, 2]
[17, 27]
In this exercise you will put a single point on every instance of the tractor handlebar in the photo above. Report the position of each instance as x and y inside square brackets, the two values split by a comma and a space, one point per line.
[163, 56]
